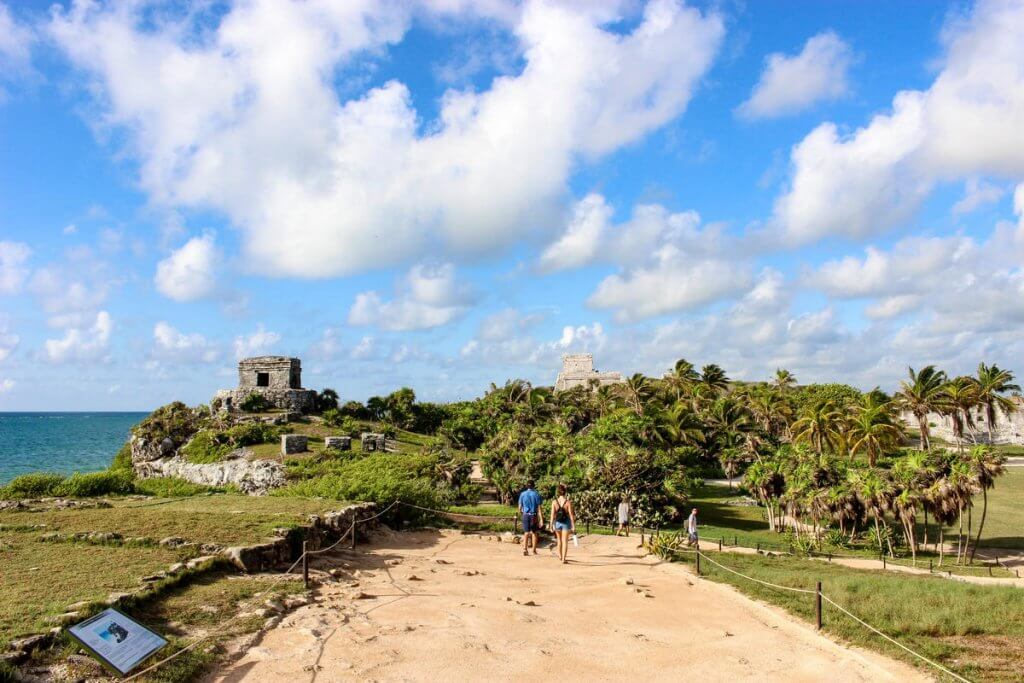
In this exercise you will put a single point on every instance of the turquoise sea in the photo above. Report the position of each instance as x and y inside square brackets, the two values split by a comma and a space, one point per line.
[61, 442]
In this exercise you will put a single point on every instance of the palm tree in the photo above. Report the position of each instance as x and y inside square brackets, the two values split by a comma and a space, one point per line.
[606, 399]
[873, 429]
[713, 377]
[819, 425]
[636, 389]
[875, 493]
[961, 397]
[992, 383]
[784, 379]
[921, 395]
[987, 465]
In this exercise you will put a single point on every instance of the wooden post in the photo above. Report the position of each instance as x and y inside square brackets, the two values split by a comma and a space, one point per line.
[588, 527]
[305, 563]
[990, 570]
[643, 530]
[353, 534]
[830, 558]
[515, 524]
[735, 540]
[759, 546]
[883, 561]
[698, 562]
[817, 605]
[719, 545]
[929, 565]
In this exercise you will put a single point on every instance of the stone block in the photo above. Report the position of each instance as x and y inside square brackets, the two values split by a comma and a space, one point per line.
[370, 442]
[294, 443]
[341, 443]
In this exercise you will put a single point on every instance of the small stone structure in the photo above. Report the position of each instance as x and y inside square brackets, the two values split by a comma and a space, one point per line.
[294, 443]
[1008, 429]
[278, 379]
[370, 442]
[340, 443]
[578, 371]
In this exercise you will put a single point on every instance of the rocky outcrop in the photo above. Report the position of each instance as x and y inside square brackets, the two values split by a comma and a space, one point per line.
[148, 450]
[252, 477]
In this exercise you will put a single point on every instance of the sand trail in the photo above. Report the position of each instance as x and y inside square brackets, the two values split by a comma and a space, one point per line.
[444, 606]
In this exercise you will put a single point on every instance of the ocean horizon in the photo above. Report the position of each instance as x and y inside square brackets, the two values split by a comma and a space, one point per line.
[61, 441]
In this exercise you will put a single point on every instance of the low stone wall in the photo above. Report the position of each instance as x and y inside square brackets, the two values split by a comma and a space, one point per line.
[252, 477]
[296, 400]
[321, 532]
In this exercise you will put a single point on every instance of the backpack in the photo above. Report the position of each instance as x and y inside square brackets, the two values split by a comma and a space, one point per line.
[561, 514]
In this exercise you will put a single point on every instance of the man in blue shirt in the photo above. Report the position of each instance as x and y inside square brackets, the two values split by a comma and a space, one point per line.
[529, 507]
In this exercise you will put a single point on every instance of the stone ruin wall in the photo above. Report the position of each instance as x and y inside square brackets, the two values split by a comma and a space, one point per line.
[284, 387]
[1008, 429]
[578, 370]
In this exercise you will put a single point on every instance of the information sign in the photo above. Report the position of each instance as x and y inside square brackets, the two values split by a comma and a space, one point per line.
[117, 640]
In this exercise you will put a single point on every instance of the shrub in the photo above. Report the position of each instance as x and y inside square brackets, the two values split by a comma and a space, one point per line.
[379, 478]
[255, 403]
[327, 399]
[206, 447]
[108, 483]
[175, 421]
[35, 485]
[251, 434]
[123, 458]
[601, 506]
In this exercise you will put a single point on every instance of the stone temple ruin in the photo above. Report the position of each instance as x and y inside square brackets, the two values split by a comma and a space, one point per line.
[277, 378]
[578, 371]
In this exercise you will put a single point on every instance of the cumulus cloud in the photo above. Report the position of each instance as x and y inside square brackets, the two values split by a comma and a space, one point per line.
[584, 236]
[82, 343]
[967, 123]
[13, 266]
[172, 345]
[190, 272]
[428, 296]
[239, 119]
[977, 193]
[790, 84]
[74, 289]
[259, 343]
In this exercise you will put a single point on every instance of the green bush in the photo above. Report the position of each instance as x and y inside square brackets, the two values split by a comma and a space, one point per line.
[107, 483]
[206, 447]
[379, 478]
[175, 421]
[255, 403]
[35, 485]
[123, 458]
[250, 434]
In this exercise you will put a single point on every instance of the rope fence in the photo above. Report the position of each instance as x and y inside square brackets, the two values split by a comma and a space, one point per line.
[697, 554]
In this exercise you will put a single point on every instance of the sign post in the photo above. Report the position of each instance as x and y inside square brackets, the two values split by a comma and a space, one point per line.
[119, 642]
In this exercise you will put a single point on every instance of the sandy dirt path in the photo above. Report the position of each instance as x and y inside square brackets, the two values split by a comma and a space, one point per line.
[443, 606]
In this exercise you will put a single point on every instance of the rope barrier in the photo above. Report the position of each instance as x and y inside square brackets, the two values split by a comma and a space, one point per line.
[283, 576]
[892, 640]
[751, 578]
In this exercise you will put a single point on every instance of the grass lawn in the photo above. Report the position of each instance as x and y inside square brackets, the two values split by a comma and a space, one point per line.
[1004, 524]
[42, 579]
[226, 519]
[976, 631]
[408, 442]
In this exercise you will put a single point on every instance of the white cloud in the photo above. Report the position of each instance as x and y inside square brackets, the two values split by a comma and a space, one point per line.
[506, 323]
[966, 124]
[70, 229]
[6, 385]
[190, 272]
[172, 345]
[364, 349]
[13, 269]
[259, 343]
[8, 340]
[73, 290]
[792, 84]
[427, 297]
[583, 238]
[977, 193]
[245, 119]
[82, 343]
[15, 48]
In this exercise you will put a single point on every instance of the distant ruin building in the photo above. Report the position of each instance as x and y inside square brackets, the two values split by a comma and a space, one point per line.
[1008, 427]
[578, 371]
[278, 379]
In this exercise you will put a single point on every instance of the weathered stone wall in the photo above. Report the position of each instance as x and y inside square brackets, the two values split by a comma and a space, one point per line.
[251, 477]
[578, 370]
[294, 443]
[321, 532]
[283, 372]
[341, 443]
[295, 400]
[1008, 428]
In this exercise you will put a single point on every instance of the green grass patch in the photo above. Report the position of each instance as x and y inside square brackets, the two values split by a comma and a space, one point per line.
[226, 519]
[42, 579]
[486, 510]
[956, 624]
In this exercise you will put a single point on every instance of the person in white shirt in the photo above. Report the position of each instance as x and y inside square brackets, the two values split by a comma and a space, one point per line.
[691, 528]
[623, 517]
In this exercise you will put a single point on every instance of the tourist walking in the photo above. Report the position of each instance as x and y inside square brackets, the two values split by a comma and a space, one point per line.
[563, 520]
[691, 528]
[624, 512]
[530, 504]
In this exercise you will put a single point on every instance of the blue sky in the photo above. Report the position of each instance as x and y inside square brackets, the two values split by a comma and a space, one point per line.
[447, 193]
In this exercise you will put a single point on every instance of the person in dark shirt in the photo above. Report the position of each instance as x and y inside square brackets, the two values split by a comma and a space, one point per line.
[529, 507]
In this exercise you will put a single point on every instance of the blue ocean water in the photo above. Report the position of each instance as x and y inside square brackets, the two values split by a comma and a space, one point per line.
[61, 442]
